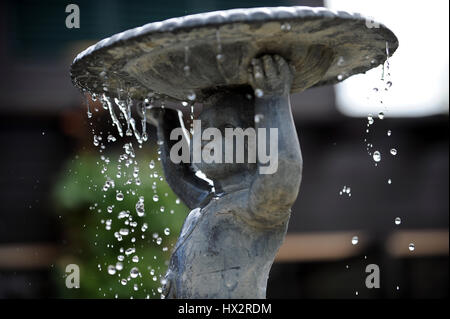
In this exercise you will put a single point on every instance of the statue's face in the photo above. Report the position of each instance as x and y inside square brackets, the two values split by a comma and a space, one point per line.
[222, 116]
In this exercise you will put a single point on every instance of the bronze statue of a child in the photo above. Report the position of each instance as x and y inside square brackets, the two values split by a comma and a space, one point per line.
[230, 238]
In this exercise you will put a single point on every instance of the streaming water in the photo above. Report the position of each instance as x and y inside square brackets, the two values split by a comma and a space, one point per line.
[122, 176]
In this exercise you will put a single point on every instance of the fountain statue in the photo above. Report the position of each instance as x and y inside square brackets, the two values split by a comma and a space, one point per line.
[242, 65]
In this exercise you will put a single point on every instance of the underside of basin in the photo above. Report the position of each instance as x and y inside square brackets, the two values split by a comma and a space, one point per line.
[194, 54]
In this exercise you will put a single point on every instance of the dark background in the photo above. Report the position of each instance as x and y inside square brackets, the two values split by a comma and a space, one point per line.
[43, 125]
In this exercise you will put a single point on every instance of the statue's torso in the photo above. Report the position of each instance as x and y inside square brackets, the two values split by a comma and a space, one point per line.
[220, 255]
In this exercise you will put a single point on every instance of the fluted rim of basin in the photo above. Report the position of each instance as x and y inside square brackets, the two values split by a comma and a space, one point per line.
[224, 17]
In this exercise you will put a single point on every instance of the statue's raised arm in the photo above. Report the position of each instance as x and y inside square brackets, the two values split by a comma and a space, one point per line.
[275, 185]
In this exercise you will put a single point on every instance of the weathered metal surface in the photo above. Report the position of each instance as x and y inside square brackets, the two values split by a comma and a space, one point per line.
[151, 59]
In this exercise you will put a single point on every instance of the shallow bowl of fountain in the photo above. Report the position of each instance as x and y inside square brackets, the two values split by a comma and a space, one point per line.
[184, 58]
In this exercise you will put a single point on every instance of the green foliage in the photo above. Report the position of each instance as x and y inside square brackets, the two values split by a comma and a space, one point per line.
[82, 204]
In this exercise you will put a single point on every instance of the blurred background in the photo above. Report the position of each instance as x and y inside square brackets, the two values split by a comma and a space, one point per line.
[54, 211]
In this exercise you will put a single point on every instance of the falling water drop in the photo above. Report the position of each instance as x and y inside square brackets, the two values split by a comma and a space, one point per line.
[220, 57]
[393, 151]
[130, 251]
[119, 196]
[191, 96]
[186, 68]
[411, 247]
[376, 156]
[258, 118]
[111, 270]
[355, 240]
[124, 231]
[397, 221]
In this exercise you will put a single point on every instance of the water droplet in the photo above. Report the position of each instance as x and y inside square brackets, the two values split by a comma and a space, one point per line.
[389, 181]
[286, 27]
[152, 164]
[123, 281]
[124, 231]
[119, 266]
[220, 57]
[119, 196]
[130, 251]
[389, 133]
[381, 115]
[259, 93]
[376, 156]
[123, 214]
[191, 96]
[355, 240]
[340, 77]
[258, 118]
[135, 259]
[398, 221]
[393, 151]
[155, 198]
[370, 119]
[187, 70]
[411, 247]
[166, 231]
[140, 207]
[111, 270]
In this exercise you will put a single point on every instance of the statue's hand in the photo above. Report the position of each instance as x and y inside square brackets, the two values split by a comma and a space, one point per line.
[271, 74]
[157, 116]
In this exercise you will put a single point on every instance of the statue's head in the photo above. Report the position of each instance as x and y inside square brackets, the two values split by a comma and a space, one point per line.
[226, 109]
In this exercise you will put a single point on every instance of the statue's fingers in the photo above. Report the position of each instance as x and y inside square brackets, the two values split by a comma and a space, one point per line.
[269, 67]
[258, 72]
[282, 65]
